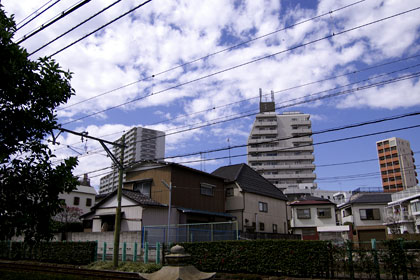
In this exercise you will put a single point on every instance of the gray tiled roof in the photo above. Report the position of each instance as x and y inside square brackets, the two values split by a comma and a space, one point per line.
[372, 198]
[133, 195]
[249, 180]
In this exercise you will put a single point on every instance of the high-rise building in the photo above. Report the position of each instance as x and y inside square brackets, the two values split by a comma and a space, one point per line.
[396, 162]
[141, 144]
[280, 148]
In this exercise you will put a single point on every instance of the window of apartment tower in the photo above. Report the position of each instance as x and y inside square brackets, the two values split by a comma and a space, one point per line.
[207, 189]
[143, 187]
[262, 226]
[88, 201]
[76, 200]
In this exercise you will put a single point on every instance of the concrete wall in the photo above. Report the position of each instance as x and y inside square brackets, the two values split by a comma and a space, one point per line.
[356, 215]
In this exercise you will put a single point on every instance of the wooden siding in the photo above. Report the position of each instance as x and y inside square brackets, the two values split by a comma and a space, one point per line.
[159, 192]
[187, 190]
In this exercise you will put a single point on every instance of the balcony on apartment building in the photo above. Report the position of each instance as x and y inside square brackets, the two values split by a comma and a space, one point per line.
[265, 132]
[287, 166]
[300, 131]
[291, 176]
[266, 122]
[301, 122]
[280, 157]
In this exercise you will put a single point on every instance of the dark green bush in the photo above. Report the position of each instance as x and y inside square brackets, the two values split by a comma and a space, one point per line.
[53, 252]
[275, 257]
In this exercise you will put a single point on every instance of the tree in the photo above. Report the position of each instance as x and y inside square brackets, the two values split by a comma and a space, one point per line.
[30, 185]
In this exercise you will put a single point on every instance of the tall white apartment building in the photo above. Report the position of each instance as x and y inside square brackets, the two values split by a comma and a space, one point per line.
[280, 148]
[141, 144]
[396, 161]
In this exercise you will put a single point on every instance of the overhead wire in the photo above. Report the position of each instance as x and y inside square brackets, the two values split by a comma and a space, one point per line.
[37, 15]
[242, 64]
[74, 27]
[393, 80]
[103, 26]
[282, 90]
[213, 54]
[58, 17]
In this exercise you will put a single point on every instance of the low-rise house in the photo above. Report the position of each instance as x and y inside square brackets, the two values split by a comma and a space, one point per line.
[314, 218]
[402, 214]
[255, 202]
[364, 212]
[195, 197]
[82, 198]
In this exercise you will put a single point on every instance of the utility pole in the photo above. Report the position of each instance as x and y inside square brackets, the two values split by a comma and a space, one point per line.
[117, 228]
[120, 165]
[169, 186]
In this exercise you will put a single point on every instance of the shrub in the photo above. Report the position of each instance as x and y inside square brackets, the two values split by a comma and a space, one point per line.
[279, 257]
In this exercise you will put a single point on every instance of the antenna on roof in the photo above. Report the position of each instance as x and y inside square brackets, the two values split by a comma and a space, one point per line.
[260, 95]
[272, 96]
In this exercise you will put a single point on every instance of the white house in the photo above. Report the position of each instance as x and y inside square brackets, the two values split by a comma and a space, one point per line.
[364, 212]
[83, 197]
[255, 202]
[314, 218]
[402, 215]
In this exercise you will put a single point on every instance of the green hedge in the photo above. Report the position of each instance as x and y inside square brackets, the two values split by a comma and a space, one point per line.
[274, 257]
[53, 252]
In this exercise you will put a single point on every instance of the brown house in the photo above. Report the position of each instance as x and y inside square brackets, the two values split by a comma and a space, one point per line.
[197, 197]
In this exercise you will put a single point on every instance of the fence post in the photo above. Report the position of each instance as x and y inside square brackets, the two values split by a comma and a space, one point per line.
[135, 252]
[404, 260]
[375, 259]
[350, 255]
[124, 255]
[104, 252]
[95, 258]
[157, 253]
[146, 252]
[9, 255]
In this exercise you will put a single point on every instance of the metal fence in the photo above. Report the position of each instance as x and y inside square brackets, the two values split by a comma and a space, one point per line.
[191, 232]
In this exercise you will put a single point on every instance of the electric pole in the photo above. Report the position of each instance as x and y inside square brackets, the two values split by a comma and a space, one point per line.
[117, 229]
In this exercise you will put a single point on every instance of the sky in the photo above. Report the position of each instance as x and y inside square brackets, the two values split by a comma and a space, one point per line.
[194, 69]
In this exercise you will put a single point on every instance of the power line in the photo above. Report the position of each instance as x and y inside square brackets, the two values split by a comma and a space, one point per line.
[74, 27]
[40, 13]
[53, 20]
[294, 87]
[398, 79]
[103, 26]
[320, 143]
[243, 64]
[213, 54]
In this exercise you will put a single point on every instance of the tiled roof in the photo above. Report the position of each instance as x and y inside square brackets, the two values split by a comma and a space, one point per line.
[249, 180]
[133, 195]
[369, 198]
[311, 200]
[372, 198]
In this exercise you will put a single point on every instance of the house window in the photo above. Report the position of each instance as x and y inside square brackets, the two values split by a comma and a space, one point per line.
[207, 189]
[304, 213]
[263, 206]
[370, 214]
[143, 187]
[76, 200]
[323, 212]
[88, 201]
[415, 206]
[261, 226]
[274, 228]
[229, 192]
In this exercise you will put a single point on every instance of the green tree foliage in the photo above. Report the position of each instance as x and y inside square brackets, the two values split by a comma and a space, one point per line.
[30, 185]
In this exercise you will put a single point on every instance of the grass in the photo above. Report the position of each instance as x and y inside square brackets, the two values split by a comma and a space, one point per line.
[125, 266]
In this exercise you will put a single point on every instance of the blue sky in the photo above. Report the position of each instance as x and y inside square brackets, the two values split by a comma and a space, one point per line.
[164, 34]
